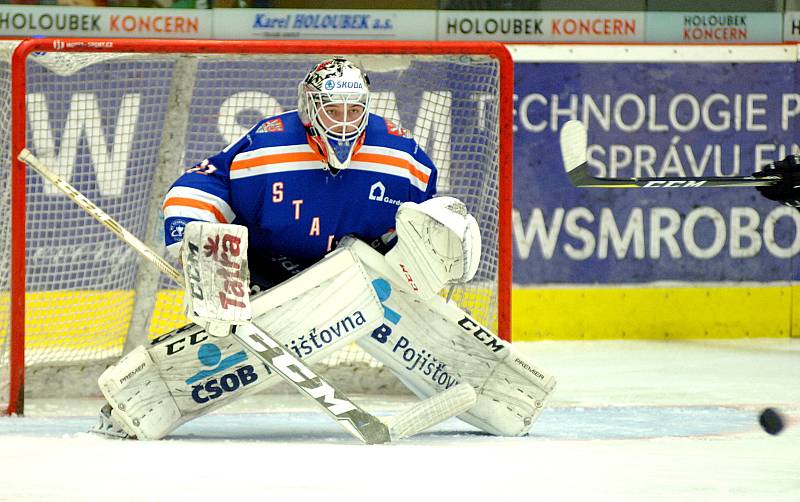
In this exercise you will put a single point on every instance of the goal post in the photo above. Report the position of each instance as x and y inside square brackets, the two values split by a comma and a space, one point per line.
[121, 119]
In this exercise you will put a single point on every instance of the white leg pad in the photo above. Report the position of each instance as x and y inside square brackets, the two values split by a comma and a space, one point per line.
[142, 404]
[433, 345]
[511, 397]
[313, 314]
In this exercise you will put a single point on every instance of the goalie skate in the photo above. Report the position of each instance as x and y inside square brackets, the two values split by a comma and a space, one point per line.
[107, 426]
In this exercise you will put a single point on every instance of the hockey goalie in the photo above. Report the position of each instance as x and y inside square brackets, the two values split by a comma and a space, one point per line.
[321, 227]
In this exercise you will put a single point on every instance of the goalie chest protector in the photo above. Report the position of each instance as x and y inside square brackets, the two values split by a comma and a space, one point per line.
[273, 182]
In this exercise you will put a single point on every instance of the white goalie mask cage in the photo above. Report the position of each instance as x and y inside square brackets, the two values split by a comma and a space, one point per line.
[333, 101]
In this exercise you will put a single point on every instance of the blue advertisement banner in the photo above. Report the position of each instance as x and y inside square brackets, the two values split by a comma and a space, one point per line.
[644, 119]
[103, 125]
[653, 119]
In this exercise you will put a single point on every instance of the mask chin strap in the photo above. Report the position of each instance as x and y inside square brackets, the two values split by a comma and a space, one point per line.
[343, 152]
[342, 149]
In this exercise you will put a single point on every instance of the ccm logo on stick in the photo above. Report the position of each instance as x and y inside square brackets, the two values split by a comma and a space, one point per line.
[674, 184]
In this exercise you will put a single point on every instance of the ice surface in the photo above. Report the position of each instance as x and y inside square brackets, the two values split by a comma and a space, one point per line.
[630, 421]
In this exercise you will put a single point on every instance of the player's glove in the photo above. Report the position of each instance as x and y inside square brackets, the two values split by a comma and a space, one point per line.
[787, 190]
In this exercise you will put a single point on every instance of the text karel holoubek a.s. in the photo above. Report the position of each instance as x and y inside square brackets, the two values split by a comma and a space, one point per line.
[351, 22]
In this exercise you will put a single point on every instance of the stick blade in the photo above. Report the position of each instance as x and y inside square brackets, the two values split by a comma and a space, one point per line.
[573, 145]
[370, 429]
[431, 411]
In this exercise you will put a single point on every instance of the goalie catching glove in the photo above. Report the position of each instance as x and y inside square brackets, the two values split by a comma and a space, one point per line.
[438, 243]
[216, 276]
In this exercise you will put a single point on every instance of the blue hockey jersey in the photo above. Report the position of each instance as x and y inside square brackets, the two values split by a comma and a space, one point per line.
[272, 181]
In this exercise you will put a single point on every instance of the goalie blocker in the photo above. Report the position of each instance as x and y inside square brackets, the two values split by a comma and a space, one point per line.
[216, 276]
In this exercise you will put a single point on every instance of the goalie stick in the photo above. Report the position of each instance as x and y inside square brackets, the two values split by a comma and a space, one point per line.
[352, 418]
[431, 411]
[573, 153]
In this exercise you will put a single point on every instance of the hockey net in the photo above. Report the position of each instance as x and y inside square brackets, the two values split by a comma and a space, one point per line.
[121, 119]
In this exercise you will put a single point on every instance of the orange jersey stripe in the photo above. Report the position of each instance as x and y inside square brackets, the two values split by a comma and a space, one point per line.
[392, 161]
[277, 158]
[183, 201]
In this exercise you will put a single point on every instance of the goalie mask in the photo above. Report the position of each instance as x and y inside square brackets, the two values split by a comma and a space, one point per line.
[333, 102]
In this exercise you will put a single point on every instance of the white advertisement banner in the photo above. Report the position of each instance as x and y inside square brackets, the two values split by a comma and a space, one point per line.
[356, 24]
[791, 26]
[51, 21]
[541, 26]
[335, 24]
[714, 28]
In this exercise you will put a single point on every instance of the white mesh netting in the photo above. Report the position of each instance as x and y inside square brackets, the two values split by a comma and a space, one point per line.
[122, 127]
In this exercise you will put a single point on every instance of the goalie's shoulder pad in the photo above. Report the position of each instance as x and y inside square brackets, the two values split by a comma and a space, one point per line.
[395, 129]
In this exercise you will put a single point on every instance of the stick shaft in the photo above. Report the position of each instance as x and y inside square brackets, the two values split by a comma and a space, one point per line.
[574, 155]
[580, 177]
[101, 216]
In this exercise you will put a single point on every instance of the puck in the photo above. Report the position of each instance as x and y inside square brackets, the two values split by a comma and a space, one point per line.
[771, 421]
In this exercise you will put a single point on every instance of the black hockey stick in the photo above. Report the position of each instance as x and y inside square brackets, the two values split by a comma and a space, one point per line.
[573, 153]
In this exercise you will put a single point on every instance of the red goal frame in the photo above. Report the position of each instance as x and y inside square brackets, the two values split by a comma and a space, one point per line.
[19, 128]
